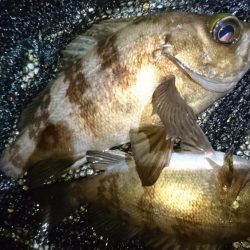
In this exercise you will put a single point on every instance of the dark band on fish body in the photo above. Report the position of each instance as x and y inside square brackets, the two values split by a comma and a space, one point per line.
[146, 208]
[108, 52]
[109, 55]
[113, 187]
[16, 158]
[77, 82]
[107, 193]
[183, 229]
[38, 119]
[49, 137]
[78, 85]
[36, 126]
[72, 69]
[53, 139]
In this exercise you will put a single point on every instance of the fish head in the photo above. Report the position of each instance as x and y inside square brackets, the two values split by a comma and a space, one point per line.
[214, 51]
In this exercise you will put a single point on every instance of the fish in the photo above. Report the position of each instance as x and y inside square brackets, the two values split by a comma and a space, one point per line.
[200, 201]
[124, 75]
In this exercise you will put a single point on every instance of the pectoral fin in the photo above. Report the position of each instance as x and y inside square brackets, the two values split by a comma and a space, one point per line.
[151, 152]
[178, 118]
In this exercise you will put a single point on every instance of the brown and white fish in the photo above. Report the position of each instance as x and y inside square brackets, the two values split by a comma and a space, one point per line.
[187, 60]
[200, 201]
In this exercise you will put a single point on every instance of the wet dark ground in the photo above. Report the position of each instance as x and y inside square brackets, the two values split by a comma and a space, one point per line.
[32, 36]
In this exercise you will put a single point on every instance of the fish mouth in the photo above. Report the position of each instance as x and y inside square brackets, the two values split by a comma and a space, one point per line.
[211, 84]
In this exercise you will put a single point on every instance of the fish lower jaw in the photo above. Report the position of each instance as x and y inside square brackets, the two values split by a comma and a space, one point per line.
[214, 85]
[211, 84]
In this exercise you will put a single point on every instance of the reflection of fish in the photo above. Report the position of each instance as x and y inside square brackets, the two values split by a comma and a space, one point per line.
[199, 199]
[110, 76]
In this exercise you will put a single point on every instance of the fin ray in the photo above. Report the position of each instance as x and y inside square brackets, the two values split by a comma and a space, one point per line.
[101, 160]
[44, 170]
[152, 152]
[177, 117]
[82, 44]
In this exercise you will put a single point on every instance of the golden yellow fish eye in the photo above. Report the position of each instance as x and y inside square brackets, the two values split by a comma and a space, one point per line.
[225, 28]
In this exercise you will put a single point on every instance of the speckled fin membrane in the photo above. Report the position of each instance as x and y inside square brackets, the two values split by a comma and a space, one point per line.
[82, 44]
[178, 118]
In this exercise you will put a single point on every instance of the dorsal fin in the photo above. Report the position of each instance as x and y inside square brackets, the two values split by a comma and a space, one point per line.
[107, 27]
[231, 179]
[228, 167]
[79, 47]
[84, 43]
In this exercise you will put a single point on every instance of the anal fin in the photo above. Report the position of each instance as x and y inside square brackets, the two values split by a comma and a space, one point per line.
[44, 170]
[152, 152]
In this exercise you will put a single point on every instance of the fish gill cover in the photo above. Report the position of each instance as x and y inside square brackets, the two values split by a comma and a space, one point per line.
[32, 36]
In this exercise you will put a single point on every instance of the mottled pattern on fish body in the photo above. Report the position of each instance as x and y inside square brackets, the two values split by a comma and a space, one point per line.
[188, 201]
[101, 96]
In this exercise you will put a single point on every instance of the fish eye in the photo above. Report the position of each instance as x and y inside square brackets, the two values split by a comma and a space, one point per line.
[226, 29]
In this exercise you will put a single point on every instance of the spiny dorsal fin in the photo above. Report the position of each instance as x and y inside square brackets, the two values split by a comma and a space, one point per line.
[107, 27]
[84, 43]
[230, 179]
[79, 47]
